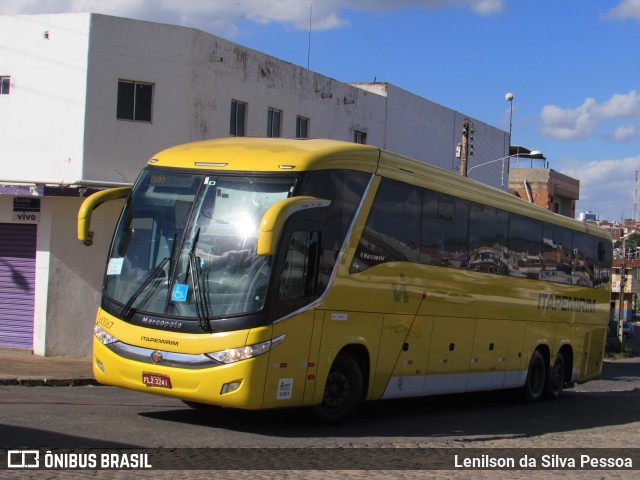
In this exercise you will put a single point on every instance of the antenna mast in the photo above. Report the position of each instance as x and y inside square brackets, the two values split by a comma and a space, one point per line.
[635, 200]
[309, 40]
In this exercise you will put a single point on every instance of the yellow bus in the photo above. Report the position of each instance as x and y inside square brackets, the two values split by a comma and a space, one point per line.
[265, 273]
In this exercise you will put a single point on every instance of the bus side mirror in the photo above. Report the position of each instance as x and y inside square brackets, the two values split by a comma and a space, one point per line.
[90, 204]
[274, 218]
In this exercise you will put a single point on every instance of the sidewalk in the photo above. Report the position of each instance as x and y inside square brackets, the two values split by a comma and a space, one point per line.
[21, 368]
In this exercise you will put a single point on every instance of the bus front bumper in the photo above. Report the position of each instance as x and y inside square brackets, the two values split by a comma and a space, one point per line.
[238, 385]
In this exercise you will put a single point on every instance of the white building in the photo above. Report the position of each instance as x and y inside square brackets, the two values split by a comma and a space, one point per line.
[588, 216]
[86, 99]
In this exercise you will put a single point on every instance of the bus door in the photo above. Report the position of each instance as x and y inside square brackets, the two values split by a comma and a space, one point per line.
[294, 287]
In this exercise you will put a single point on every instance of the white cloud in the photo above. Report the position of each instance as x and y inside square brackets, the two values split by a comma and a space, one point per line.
[483, 7]
[580, 122]
[623, 134]
[606, 186]
[488, 7]
[222, 16]
[625, 9]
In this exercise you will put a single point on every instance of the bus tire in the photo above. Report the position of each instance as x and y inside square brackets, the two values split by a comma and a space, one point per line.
[342, 391]
[534, 386]
[556, 378]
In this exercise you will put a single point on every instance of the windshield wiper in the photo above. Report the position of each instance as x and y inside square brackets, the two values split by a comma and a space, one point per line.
[172, 270]
[199, 299]
[126, 310]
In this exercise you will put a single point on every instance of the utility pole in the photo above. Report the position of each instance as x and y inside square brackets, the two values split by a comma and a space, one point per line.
[635, 201]
[466, 149]
[622, 281]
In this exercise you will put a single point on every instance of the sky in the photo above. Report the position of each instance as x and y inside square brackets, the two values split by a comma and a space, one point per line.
[572, 66]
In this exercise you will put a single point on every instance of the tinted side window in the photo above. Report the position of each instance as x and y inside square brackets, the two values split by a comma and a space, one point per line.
[557, 244]
[603, 262]
[298, 277]
[488, 235]
[445, 225]
[525, 247]
[392, 232]
[344, 189]
[584, 253]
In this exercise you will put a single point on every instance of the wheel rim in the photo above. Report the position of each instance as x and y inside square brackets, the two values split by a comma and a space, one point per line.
[557, 376]
[536, 379]
[337, 390]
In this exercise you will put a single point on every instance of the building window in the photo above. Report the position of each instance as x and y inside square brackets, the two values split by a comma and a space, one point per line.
[274, 121]
[5, 83]
[238, 118]
[134, 101]
[359, 137]
[302, 127]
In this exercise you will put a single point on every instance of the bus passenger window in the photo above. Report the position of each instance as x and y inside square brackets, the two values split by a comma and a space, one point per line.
[299, 273]
[344, 188]
[525, 247]
[488, 238]
[605, 257]
[584, 251]
[557, 248]
[444, 230]
[392, 232]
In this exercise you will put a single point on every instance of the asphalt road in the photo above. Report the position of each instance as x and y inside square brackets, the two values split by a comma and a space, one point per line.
[603, 413]
[593, 414]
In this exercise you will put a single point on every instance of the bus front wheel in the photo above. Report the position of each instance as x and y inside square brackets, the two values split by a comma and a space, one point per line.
[342, 392]
[534, 386]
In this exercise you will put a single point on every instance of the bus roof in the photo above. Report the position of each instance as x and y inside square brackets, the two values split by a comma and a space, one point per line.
[238, 154]
[434, 178]
[269, 155]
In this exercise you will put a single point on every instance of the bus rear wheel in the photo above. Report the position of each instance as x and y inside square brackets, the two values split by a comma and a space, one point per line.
[534, 386]
[555, 379]
[342, 392]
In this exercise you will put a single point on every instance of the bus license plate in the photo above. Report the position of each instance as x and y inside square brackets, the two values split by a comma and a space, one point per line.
[156, 380]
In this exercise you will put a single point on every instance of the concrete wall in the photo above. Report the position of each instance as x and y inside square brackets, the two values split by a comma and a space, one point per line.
[550, 189]
[43, 117]
[75, 276]
[424, 130]
[62, 108]
[195, 77]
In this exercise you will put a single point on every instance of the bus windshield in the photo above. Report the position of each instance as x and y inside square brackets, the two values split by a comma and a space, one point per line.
[185, 245]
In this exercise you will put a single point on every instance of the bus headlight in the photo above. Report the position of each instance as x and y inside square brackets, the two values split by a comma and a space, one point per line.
[103, 336]
[232, 355]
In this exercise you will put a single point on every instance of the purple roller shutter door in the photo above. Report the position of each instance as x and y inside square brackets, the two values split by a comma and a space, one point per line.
[17, 284]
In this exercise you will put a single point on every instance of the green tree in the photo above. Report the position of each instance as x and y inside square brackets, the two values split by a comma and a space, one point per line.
[632, 243]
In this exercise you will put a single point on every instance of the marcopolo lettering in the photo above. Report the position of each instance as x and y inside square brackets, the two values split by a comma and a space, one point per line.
[371, 256]
[564, 303]
[155, 322]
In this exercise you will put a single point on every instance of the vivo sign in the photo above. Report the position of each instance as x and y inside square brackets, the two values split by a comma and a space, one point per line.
[26, 209]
